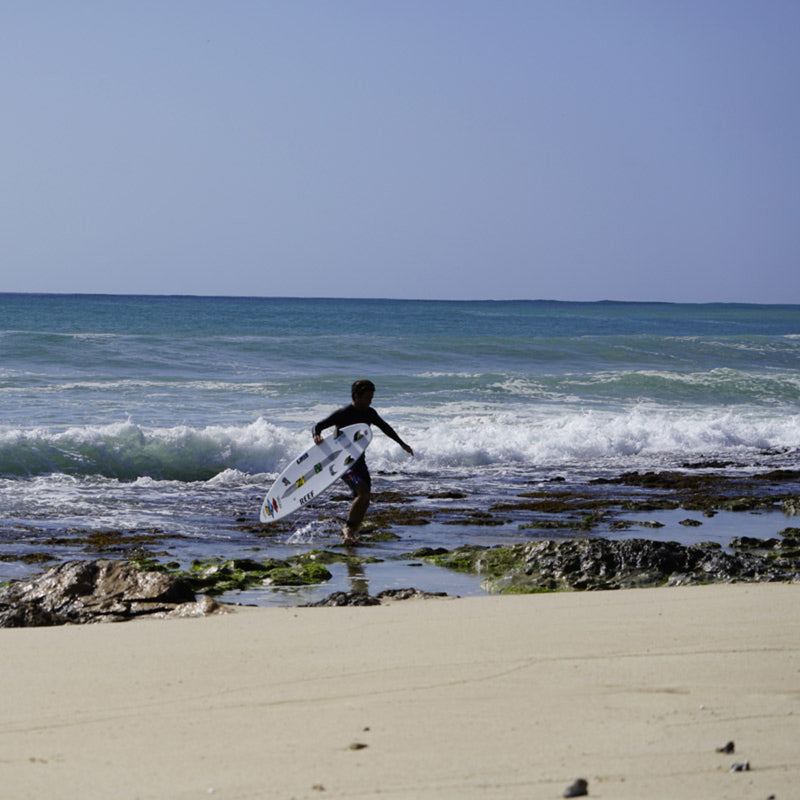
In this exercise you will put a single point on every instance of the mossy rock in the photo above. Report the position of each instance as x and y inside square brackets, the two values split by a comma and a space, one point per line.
[791, 505]
[406, 516]
[478, 560]
[583, 524]
[298, 575]
[652, 504]
[481, 519]
[151, 564]
[332, 557]
[29, 558]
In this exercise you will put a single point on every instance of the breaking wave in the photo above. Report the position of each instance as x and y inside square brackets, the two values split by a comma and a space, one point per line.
[543, 436]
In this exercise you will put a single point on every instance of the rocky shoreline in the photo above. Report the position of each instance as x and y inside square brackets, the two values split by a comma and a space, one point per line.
[576, 556]
[80, 592]
[598, 564]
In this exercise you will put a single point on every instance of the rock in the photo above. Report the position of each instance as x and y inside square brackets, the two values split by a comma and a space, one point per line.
[366, 599]
[79, 592]
[408, 594]
[791, 506]
[751, 543]
[595, 563]
[578, 788]
[727, 748]
[346, 599]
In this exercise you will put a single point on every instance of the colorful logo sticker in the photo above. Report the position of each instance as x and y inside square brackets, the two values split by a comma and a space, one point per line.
[272, 509]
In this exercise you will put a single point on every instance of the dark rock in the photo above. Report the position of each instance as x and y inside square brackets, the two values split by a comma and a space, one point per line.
[346, 599]
[747, 504]
[424, 552]
[592, 564]
[782, 475]
[78, 592]
[579, 788]
[751, 543]
[408, 594]
[366, 599]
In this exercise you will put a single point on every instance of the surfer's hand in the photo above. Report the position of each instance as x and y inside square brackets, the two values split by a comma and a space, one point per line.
[407, 448]
[317, 439]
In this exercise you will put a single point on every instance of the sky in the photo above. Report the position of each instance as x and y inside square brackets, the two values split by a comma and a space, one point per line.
[642, 150]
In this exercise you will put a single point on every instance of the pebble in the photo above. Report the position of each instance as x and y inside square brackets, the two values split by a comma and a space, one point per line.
[578, 788]
[727, 748]
[740, 766]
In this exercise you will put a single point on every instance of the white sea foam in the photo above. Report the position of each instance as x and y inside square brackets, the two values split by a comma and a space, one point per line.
[536, 436]
[560, 436]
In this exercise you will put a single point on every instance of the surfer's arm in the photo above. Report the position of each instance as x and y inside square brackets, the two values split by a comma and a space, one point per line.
[329, 421]
[392, 433]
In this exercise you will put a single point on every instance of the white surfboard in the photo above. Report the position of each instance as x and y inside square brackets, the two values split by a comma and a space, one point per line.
[309, 475]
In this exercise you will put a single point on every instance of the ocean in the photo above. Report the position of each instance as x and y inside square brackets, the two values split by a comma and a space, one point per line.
[164, 419]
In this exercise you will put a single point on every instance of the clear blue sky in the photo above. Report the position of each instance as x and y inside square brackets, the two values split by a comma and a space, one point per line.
[570, 149]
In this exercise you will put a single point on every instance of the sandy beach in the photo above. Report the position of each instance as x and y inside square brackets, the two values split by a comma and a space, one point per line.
[495, 697]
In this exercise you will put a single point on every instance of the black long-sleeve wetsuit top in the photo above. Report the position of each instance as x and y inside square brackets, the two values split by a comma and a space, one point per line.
[355, 415]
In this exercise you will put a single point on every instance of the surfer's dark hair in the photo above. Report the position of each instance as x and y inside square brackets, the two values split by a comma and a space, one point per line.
[361, 387]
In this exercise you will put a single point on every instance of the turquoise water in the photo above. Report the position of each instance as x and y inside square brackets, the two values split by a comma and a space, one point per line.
[176, 412]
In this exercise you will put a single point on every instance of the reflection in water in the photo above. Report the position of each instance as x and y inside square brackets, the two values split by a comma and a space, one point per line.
[357, 576]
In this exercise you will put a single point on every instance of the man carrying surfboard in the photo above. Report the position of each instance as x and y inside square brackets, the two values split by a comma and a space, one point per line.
[357, 477]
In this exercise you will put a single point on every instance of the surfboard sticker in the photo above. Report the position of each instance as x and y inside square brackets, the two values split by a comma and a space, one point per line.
[270, 508]
[314, 471]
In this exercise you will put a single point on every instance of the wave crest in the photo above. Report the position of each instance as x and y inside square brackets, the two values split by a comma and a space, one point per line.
[127, 451]
[537, 436]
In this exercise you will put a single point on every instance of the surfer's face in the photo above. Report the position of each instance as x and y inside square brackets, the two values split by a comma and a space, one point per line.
[364, 399]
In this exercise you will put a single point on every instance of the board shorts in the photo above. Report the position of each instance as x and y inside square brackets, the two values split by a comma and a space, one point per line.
[357, 474]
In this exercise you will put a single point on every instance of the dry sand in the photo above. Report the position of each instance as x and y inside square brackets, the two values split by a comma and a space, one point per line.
[494, 697]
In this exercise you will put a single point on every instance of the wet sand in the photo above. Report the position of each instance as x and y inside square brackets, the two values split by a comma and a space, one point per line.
[490, 697]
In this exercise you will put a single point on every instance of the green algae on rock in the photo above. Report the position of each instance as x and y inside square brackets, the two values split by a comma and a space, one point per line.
[236, 574]
[595, 563]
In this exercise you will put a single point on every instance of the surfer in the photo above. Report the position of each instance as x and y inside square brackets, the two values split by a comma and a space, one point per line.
[358, 477]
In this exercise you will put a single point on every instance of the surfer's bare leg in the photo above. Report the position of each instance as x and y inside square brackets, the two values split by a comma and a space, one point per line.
[357, 510]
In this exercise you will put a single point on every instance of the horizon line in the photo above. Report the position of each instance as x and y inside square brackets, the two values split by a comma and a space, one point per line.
[187, 295]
